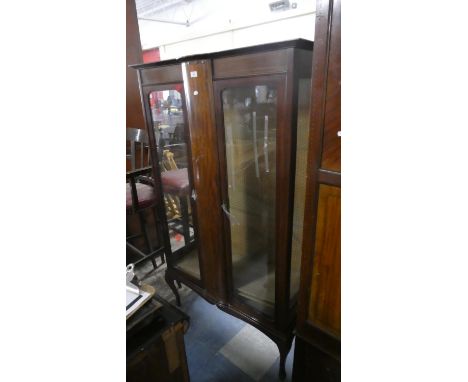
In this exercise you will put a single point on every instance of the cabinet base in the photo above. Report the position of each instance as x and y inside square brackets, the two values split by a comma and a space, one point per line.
[282, 339]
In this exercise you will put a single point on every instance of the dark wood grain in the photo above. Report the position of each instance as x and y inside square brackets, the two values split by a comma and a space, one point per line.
[161, 75]
[311, 364]
[331, 157]
[325, 297]
[317, 115]
[296, 43]
[251, 64]
[135, 117]
[203, 141]
[329, 177]
[319, 78]
[319, 310]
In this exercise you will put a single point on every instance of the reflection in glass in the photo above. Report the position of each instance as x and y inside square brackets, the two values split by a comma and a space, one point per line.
[250, 134]
[300, 183]
[169, 126]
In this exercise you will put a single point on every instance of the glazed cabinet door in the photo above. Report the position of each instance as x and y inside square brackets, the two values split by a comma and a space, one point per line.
[248, 112]
[167, 120]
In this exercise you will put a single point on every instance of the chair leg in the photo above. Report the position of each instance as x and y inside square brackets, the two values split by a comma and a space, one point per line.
[185, 219]
[160, 234]
[170, 282]
[148, 244]
[145, 231]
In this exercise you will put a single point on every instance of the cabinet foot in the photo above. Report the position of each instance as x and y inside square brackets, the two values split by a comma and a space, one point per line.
[282, 367]
[284, 347]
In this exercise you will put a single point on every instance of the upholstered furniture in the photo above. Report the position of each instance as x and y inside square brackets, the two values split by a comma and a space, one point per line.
[142, 202]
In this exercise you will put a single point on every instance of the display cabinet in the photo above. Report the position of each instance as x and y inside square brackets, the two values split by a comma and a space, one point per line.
[229, 132]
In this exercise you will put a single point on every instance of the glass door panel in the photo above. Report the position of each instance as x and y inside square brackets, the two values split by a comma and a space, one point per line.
[250, 115]
[174, 158]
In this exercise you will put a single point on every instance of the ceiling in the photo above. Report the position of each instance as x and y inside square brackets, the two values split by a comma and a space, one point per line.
[168, 22]
[149, 8]
[167, 11]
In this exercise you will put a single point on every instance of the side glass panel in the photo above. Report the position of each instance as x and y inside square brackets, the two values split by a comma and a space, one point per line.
[300, 183]
[250, 136]
[173, 153]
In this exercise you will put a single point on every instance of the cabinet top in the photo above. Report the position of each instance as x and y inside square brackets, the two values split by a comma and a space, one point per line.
[297, 43]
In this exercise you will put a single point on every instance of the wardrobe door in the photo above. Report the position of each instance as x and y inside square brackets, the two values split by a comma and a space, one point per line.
[166, 106]
[318, 325]
[248, 121]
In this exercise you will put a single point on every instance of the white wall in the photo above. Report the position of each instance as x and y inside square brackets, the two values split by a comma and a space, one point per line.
[221, 25]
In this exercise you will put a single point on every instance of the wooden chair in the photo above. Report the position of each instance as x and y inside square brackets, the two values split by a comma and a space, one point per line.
[137, 141]
[177, 136]
[141, 198]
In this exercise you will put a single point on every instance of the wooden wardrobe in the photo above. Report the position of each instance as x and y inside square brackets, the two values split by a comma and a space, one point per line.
[318, 330]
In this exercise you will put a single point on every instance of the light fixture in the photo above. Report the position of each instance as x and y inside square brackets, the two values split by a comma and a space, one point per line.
[282, 5]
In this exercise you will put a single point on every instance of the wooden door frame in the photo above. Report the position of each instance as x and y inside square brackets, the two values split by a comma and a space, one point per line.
[146, 90]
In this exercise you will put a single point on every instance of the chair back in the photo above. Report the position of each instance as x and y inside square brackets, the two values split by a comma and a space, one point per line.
[178, 134]
[138, 147]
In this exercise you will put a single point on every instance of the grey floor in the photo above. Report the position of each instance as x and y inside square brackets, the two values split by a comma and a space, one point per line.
[219, 346]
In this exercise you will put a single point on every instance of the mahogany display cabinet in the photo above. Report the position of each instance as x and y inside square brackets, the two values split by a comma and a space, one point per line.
[229, 133]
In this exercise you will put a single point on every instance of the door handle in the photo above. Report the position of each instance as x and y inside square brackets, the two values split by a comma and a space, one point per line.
[254, 128]
[265, 145]
[232, 219]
